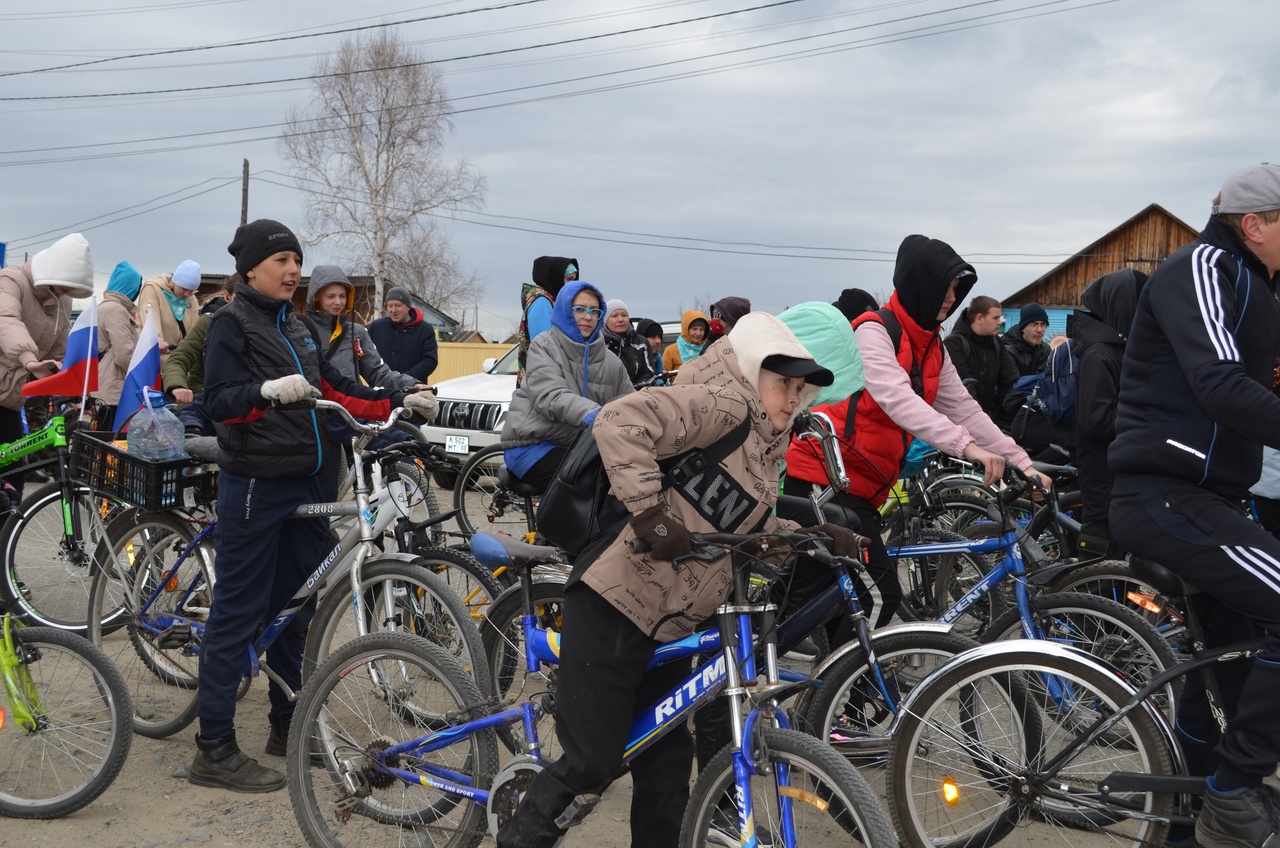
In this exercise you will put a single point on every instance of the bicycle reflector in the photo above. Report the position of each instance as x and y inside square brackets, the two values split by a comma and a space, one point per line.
[950, 791]
[797, 794]
[1, 718]
[1146, 600]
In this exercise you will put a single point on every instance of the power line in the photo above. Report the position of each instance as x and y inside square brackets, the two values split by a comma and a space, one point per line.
[26, 17]
[483, 55]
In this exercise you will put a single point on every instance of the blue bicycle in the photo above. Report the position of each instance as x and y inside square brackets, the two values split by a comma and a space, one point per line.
[392, 742]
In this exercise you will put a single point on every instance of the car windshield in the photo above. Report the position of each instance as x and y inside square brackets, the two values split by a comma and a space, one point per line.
[509, 363]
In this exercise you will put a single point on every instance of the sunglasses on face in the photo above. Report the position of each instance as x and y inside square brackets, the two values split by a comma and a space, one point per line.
[579, 311]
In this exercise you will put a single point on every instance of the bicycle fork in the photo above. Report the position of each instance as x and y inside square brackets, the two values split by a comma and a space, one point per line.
[24, 701]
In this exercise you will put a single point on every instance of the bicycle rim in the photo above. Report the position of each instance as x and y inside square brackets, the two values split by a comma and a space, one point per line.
[374, 692]
[484, 502]
[828, 802]
[503, 638]
[84, 733]
[964, 767]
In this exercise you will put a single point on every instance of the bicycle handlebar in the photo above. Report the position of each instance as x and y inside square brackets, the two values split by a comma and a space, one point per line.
[369, 428]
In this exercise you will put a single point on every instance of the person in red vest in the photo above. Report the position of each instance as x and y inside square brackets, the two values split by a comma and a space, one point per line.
[912, 390]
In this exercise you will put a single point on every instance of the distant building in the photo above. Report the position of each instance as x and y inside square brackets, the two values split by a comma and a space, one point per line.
[366, 310]
[1142, 242]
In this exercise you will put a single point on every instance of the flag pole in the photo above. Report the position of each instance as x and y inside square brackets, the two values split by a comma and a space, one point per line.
[91, 352]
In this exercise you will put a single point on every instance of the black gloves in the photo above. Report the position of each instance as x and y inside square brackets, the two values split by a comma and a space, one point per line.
[666, 537]
[844, 542]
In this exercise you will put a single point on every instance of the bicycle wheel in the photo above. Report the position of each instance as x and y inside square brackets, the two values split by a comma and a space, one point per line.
[156, 649]
[82, 736]
[398, 594]
[1113, 580]
[484, 502]
[474, 584]
[381, 690]
[965, 761]
[47, 577]
[846, 708]
[935, 582]
[828, 802]
[503, 636]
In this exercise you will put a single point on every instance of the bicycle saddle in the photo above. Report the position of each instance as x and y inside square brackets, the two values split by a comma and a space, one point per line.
[494, 550]
[515, 484]
[1161, 579]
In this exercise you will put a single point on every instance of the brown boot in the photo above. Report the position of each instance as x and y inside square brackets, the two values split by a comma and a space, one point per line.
[220, 763]
[278, 739]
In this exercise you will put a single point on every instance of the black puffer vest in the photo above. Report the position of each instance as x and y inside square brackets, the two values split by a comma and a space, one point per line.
[277, 343]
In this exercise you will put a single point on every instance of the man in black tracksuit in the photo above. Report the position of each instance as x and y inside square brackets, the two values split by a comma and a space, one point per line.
[1195, 409]
[257, 352]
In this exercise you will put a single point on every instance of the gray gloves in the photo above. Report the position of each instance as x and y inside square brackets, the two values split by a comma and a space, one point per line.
[290, 389]
[423, 404]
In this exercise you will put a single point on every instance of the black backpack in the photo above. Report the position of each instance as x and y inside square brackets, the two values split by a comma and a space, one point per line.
[578, 506]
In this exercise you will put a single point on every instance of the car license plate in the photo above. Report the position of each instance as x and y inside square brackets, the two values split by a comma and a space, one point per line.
[457, 444]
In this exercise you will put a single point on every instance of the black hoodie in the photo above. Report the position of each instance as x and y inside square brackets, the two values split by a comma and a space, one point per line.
[548, 272]
[985, 367]
[1098, 338]
[921, 275]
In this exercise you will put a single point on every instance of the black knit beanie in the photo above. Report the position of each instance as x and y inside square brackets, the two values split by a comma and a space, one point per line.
[257, 240]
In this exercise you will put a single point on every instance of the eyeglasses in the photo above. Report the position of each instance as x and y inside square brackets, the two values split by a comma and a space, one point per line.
[579, 311]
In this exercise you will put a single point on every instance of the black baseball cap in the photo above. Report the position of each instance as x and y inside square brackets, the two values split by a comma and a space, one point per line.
[794, 366]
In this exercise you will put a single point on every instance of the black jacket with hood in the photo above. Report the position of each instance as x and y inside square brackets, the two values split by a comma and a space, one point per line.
[1098, 338]
[987, 369]
[1195, 388]
[1027, 358]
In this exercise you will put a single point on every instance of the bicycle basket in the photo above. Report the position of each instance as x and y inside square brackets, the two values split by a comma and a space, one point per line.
[106, 467]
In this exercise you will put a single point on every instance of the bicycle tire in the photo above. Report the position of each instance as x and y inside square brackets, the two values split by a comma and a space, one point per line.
[71, 761]
[1114, 580]
[935, 582]
[424, 605]
[160, 671]
[832, 803]
[483, 502]
[381, 689]
[1104, 629]
[966, 726]
[846, 707]
[503, 637]
[46, 580]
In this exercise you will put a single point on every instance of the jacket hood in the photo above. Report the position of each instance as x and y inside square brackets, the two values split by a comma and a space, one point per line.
[730, 309]
[67, 262]
[687, 319]
[924, 270]
[648, 327]
[854, 302]
[1113, 298]
[827, 334]
[549, 272]
[326, 275]
[562, 312]
[126, 280]
[760, 335]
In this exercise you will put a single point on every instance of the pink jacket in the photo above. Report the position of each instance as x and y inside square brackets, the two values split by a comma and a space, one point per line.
[954, 420]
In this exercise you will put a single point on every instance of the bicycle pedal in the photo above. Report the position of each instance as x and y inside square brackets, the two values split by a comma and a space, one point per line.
[174, 636]
[577, 810]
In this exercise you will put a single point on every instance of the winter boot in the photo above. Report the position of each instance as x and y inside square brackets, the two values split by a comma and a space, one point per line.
[278, 739]
[220, 763]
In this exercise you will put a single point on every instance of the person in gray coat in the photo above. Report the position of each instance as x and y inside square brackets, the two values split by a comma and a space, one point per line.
[570, 374]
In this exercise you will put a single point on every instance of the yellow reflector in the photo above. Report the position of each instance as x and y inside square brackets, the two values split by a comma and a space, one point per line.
[950, 792]
[807, 797]
[1145, 600]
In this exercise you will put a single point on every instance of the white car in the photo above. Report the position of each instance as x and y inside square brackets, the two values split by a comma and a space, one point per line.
[473, 409]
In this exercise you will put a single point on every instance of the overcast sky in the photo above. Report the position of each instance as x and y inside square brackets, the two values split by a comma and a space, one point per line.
[778, 151]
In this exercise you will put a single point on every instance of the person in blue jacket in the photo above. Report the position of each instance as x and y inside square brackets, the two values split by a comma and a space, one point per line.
[257, 354]
[406, 342]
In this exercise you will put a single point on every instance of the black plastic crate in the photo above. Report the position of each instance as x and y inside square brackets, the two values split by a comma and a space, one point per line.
[151, 484]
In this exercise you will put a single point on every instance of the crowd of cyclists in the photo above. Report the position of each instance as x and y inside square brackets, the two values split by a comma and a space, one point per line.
[1175, 410]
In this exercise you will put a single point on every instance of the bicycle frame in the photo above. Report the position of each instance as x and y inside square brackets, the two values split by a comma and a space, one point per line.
[24, 700]
[731, 668]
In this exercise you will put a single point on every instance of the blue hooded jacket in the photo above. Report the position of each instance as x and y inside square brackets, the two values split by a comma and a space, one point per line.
[563, 320]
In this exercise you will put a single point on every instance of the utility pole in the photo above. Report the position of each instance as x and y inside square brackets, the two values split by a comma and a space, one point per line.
[244, 195]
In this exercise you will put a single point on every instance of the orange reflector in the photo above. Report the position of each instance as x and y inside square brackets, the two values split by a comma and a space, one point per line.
[950, 792]
[1146, 600]
[807, 797]
[1, 718]
[171, 585]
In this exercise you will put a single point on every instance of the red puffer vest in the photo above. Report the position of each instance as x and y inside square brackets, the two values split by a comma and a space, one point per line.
[878, 444]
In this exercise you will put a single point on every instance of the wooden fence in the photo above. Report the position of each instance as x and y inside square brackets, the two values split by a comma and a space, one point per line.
[460, 359]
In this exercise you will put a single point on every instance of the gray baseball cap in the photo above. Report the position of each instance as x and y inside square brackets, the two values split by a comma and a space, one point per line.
[1252, 189]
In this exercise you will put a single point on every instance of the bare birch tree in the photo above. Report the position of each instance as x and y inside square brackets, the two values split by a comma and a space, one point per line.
[368, 150]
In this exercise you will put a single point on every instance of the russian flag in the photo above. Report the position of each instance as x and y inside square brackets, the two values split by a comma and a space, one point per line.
[79, 374]
[144, 371]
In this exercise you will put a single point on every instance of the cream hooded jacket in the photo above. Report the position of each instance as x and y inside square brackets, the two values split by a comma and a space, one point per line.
[34, 324]
[714, 393]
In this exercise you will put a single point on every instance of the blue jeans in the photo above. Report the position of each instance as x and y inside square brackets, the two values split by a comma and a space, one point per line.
[263, 558]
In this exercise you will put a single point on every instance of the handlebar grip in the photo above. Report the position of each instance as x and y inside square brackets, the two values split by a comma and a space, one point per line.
[297, 406]
[638, 545]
